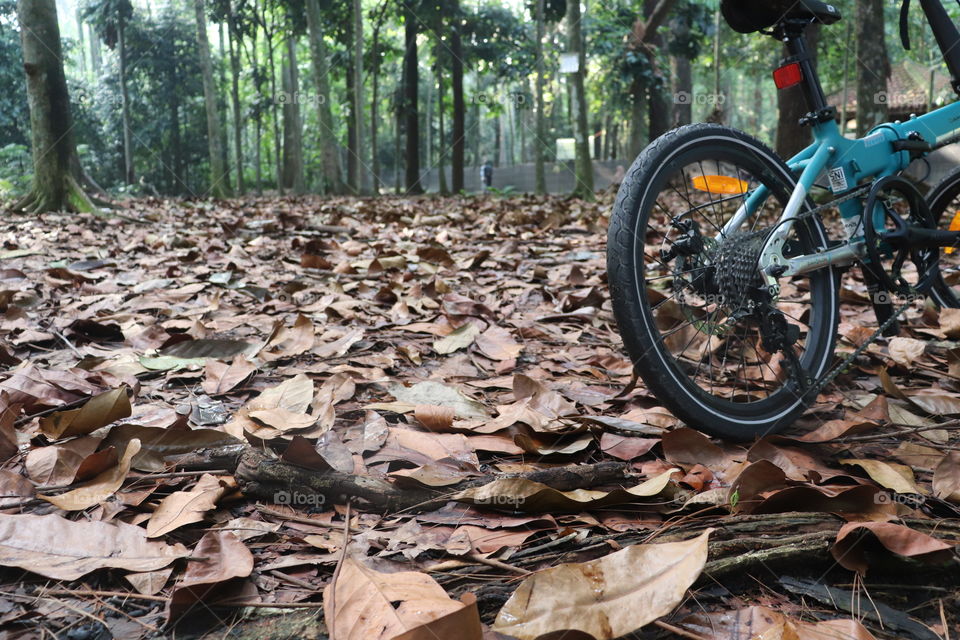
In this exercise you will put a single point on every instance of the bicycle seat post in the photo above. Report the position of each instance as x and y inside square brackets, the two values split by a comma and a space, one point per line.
[790, 32]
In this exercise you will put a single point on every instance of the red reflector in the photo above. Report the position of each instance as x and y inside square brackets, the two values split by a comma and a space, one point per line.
[787, 75]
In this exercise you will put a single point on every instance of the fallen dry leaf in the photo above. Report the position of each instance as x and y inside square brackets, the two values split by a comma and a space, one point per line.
[100, 487]
[850, 547]
[99, 411]
[185, 507]
[946, 477]
[370, 605]
[64, 549]
[608, 597]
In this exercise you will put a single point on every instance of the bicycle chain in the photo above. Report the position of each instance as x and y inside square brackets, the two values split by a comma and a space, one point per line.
[827, 378]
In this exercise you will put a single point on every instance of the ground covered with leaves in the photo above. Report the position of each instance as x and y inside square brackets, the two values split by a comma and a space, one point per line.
[412, 418]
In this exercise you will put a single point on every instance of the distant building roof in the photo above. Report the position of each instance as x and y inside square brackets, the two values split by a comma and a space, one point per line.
[908, 91]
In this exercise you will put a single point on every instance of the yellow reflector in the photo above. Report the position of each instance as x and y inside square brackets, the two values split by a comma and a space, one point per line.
[954, 226]
[720, 184]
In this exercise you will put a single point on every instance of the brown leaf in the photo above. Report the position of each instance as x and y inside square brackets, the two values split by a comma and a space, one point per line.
[905, 351]
[520, 494]
[950, 323]
[58, 464]
[293, 395]
[498, 344]
[946, 477]
[388, 606]
[14, 488]
[865, 502]
[850, 548]
[98, 412]
[185, 507]
[608, 597]
[149, 583]
[461, 338]
[100, 487]
[287, 343]
[896, 477]
[220, 377]
[626, 447]
[64, 549]
[157, 443]
[220, 556]
[434, 417]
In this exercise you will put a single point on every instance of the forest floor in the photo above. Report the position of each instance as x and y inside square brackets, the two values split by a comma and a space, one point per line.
[399, 417]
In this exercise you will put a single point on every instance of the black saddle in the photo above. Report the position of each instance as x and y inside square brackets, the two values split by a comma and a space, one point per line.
[747, 16]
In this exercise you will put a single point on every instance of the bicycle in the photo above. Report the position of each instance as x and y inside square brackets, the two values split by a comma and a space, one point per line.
[724, 280]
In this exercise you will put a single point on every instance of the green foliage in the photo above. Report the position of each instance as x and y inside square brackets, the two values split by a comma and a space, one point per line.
[107, 16]
[16, 170]
[14, 116]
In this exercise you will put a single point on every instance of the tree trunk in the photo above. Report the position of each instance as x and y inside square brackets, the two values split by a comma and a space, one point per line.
[268, 33]
[234, 44]
[357, 97]
[459, 108]
[540, 144]
[222, 105]
[583, 165]
[873, 66]
[56, 167]
[441, 142]
[333, 181]
[352, 156]
[375, 100]
[412, 119]
[292, 126]
[82, 41]
[128, 174]
[791, 106]
[682, 91]
[95, 60]
[638, 130]
[217, 171]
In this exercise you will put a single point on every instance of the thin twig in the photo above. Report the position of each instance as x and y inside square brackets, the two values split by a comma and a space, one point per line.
[103, 594]
[332, 610]
[678, 630]
[492, 562]
[267, 511]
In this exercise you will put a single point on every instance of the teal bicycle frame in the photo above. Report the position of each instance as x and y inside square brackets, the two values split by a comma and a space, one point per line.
[848, 161]
[886, 150]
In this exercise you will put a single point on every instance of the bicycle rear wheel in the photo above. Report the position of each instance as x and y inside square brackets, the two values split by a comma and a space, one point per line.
[944, 203]
[688, 298]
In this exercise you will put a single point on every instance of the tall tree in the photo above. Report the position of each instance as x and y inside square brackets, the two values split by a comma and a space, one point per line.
[540, 144]
[218, 188]
[111, 19]
[873, 66]
[376, 53]
[411, 82]
[235, 34]
[583, 165]
[459, 108]
[332, 177]
[356, 99]
[56, 167]
[292, 126]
